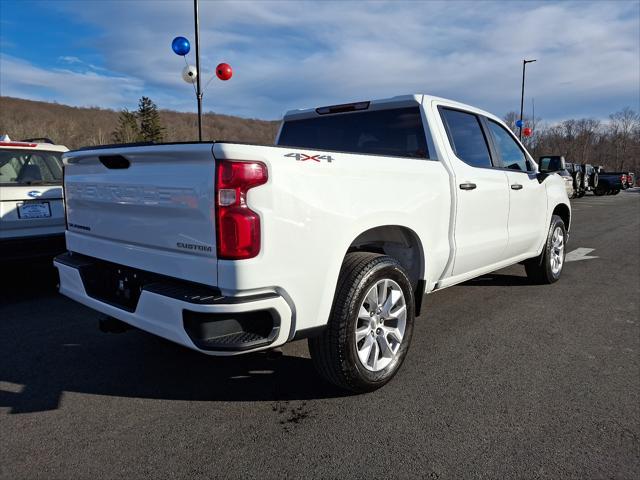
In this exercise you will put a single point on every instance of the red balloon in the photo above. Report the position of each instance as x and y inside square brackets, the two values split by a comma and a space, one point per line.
[527, 132]
[224, 71]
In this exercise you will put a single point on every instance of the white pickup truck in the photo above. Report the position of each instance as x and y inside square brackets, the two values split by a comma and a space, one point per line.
[334, 234]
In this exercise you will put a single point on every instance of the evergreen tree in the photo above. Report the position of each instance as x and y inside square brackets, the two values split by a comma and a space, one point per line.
[151, 129]
[128, 130]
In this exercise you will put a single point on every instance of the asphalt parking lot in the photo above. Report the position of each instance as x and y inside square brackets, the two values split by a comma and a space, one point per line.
[503, 380]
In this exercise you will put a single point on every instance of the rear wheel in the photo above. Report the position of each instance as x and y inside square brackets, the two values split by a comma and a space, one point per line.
[577, 183]
[547, 267]
[370, 326]
[574, 192]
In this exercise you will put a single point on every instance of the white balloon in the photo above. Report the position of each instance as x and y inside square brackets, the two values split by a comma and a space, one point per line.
[189, 74]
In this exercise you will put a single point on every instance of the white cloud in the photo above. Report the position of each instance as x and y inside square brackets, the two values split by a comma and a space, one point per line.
[296, 54]
[69, 59]
[23, 79]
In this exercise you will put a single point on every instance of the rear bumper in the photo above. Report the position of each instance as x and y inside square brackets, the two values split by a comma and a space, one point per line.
[37, 246]
[194, 316]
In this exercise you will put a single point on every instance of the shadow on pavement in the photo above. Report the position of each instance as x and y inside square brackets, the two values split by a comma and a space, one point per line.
[164, 372]
[50, 345]
[498, 280]
[27, 280]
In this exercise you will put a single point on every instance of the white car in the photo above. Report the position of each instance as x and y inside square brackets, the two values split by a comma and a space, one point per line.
[31, 199]
[334, 234]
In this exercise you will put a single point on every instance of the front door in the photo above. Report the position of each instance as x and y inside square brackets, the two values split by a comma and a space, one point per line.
[527, 196]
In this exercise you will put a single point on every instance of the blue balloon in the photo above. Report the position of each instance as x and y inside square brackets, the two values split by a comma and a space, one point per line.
[519, 123]
[180, 46]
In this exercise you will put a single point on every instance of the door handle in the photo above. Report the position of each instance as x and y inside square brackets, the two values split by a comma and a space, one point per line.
[516, 186]
[467, 186]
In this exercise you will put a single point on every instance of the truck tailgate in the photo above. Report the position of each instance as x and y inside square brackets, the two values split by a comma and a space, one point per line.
[137, 204]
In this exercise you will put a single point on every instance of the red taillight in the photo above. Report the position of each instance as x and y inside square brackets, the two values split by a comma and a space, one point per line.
[238, 227]
[18, 144]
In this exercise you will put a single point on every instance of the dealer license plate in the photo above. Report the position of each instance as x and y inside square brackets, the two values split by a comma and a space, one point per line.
[34, 210]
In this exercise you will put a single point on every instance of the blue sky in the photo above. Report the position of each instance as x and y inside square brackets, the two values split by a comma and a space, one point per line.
[295, 54]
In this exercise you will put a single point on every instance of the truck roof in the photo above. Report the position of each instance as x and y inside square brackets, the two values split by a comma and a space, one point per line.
[382, 104]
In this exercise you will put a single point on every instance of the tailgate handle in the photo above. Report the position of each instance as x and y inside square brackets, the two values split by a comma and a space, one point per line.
[114, 161]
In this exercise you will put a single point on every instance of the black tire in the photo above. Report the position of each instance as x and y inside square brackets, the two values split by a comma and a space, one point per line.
[574, 193]
[577, 182]
[334, 352]
[596, 179]
[539, 268]
[581, 194]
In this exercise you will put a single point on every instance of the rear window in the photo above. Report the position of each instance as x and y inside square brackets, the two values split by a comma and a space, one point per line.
[397, 132]
[30, 167]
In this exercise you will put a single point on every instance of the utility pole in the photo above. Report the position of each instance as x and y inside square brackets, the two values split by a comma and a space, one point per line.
[198, 85]
[524, 65]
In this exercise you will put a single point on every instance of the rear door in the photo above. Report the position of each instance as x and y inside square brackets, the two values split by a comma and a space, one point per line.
[482, 194]
[527, 196]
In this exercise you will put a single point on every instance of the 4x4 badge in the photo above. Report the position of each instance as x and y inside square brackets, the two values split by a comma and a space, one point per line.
[303, 157]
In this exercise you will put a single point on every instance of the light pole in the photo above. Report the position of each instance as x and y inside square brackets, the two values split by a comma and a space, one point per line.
[191, 74]
[524, 65]
[196, 20]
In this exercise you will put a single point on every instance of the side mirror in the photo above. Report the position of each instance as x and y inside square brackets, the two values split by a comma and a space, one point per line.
[551, 164]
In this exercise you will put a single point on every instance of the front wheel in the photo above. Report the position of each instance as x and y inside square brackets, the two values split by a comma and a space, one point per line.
[370, 326]
[547, 267]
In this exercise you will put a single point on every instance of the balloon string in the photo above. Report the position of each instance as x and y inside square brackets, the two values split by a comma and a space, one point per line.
[193, 84]
[210, 80]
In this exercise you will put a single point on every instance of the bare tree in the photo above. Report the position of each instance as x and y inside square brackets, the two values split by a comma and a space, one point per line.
[623, 127]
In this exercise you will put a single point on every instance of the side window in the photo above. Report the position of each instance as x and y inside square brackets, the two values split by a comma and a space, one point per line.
[510, 152]
[8, 170]
[467, 138]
